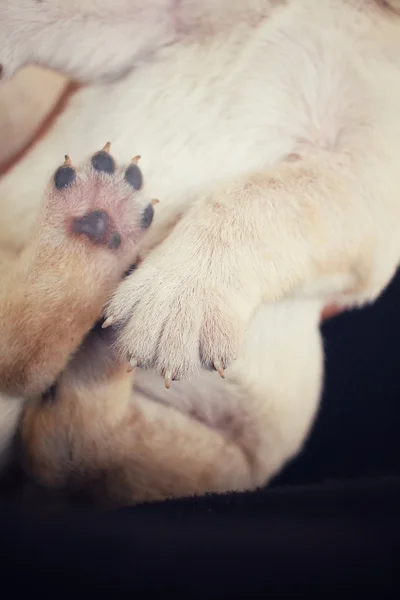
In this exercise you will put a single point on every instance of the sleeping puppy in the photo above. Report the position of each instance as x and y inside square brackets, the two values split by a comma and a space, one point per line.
[270, 131]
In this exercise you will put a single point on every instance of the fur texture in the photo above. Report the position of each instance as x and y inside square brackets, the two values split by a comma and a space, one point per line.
[270, 131]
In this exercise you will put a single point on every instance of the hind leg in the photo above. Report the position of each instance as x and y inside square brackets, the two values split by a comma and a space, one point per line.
[96, 436]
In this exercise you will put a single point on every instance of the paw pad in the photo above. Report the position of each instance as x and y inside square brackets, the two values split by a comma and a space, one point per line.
[94, 225]
[65, 175]
[133, 175]
[103, 162]
[147, 216]
[115, 241]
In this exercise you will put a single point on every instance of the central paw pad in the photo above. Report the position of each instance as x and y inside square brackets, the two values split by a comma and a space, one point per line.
[96, 225]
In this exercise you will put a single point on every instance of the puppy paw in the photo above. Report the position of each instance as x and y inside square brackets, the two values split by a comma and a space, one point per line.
[97, 211]
[183, 309]
[88, 237]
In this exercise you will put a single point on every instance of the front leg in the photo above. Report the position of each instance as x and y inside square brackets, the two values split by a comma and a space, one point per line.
[305, 227]
[52, 294]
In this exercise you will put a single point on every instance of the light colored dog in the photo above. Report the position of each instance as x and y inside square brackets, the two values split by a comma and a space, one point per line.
[270, 131]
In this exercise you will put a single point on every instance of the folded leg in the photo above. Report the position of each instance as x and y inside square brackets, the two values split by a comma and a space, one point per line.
[98, 437]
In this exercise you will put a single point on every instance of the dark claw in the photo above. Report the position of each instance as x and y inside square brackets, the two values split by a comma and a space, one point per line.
[95, 225]
[133, 175]
[64, 176]
[103, 162]
[147, 216]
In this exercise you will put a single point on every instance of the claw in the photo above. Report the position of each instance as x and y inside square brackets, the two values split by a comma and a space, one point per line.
[154, 202]
[132, 365]
[167, 379]
[107, 147]
[219, 369]
[108, 322]
[67, 162]
[135, 159]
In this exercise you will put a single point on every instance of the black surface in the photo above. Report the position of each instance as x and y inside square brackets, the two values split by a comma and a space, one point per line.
[330, 523]
[357, 432]
[330, 538]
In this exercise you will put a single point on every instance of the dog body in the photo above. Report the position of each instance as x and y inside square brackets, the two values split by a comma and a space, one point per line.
[270, 131]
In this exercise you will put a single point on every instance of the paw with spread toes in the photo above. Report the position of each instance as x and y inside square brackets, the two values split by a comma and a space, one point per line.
[98, 205]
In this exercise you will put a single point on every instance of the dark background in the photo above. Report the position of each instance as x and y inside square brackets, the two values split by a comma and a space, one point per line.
[329, 524]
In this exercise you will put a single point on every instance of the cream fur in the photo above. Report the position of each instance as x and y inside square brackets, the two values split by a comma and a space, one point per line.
[25, 103]
[248, 245]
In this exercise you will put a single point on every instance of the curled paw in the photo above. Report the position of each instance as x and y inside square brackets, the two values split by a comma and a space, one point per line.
[172, 316]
